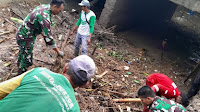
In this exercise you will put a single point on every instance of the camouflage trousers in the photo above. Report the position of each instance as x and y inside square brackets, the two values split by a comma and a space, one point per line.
[25, 57]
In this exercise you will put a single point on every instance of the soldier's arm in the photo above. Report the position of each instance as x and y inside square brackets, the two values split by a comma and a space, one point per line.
[46, 28]
[45, 23]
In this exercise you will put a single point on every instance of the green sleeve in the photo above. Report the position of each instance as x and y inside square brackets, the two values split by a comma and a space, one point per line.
[92, 22]
[79, 21]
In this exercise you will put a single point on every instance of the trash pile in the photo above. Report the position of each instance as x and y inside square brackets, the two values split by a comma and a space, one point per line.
[194, 105]
[121, 68]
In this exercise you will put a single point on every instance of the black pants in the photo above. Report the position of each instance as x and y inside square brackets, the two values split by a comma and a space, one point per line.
[194, 89]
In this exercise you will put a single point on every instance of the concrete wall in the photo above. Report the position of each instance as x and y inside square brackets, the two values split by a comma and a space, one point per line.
[137, 13]
[188, 19]
[193, 5]
[113, 7]
[109, 7]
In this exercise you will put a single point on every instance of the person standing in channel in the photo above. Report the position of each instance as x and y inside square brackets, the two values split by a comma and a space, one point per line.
[36, 22]
[85, 26]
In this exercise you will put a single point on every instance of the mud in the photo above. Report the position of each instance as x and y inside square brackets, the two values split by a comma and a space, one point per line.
[112, 54]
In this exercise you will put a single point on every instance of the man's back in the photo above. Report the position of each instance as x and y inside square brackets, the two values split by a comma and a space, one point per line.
[158, 78]
[162, 85]
[41, 90]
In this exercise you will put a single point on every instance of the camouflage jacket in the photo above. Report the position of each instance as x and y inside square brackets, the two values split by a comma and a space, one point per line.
[37, 21]
[164, 105]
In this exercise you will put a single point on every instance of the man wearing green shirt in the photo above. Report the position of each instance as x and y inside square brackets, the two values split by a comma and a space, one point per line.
[85, 25]
[41, 90]
[36, 22]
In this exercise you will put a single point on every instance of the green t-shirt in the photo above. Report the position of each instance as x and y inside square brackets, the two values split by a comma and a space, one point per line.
[84, 27]
[41, 91]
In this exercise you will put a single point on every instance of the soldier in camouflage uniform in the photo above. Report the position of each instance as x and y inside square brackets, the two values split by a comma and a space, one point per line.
[157, 104]
[38, 21]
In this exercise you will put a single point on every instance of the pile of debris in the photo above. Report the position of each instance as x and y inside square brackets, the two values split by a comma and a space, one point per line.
[122, 69]
[194, 104]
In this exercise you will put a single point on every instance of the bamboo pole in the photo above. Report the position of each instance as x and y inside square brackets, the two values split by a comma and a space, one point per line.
[127, 100]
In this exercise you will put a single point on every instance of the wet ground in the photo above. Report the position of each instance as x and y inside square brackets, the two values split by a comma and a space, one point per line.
[112, 54]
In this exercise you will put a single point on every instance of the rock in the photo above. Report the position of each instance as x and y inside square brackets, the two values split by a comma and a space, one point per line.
[123, 79]
[60, 37]
[76, 94]
[125, 75]
[92, 79]
[128, 109]
[73, 10]
[126, 68]
[92, 98]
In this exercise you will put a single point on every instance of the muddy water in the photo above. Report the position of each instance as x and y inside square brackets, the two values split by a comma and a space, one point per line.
[175, 48]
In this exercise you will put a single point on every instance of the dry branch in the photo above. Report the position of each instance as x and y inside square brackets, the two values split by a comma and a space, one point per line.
[65, 42]
[8, 76]
[16, 14]
[120, 108]
[6, 32]
[9, 22]
[94, 50]
[43, 61]
[1, 40]
[104, 73]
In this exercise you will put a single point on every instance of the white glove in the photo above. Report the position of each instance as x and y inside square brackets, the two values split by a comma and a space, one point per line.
[61, 53]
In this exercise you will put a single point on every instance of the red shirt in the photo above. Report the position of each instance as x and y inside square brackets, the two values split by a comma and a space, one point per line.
[162, 85]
